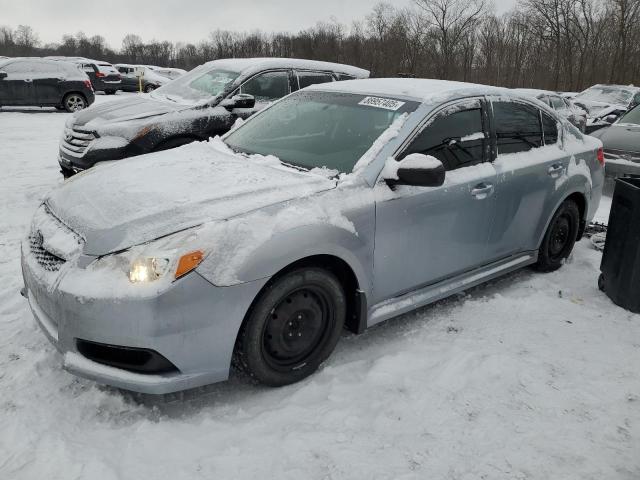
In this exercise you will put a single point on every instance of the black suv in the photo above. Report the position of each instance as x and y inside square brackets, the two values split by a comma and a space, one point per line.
[104, 77]
[203, 103]
[44, 83]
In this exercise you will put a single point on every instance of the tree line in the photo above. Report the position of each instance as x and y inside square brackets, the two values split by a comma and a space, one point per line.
[552, 44]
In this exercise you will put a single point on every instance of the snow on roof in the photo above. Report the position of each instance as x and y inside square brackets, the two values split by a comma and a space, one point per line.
[242, 64]
[425, 90]
[534, 92]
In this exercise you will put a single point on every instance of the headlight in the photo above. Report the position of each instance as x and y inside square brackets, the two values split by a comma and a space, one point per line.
[148, 269]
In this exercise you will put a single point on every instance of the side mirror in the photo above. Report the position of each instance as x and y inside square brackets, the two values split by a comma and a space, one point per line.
[3, 75]
[241, 100]
[415, 169]
[610, 118]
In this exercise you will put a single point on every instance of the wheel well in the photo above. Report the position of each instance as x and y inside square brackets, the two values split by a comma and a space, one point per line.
[72, 92]
[356, 317]
[581, 202]
[172, 142]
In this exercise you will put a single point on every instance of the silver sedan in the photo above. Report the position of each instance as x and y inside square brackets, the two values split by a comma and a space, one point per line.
[342, 205]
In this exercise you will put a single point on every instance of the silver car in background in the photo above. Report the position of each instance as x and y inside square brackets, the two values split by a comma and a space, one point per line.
[341, 205]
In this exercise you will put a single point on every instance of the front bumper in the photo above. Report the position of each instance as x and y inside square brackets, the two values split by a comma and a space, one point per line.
[193, 324]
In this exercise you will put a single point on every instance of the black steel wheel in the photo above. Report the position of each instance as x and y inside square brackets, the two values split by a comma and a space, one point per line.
[560, 237]
[293, 326]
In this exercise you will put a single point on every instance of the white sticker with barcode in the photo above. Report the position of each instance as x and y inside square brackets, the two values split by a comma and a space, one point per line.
[386, 103]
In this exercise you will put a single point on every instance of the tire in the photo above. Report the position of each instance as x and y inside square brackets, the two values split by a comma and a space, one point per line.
[73, 102]
[109, 92]
[293, 326]
[149, 88]
[559, 238]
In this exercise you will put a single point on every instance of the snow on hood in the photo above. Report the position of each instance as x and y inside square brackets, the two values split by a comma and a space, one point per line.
[131, 108]
[598, 109]
[119, 204]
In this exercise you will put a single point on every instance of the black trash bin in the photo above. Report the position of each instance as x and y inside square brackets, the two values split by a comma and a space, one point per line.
[620, 266]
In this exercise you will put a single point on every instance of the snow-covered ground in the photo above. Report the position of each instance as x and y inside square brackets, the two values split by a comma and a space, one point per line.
[531, 377]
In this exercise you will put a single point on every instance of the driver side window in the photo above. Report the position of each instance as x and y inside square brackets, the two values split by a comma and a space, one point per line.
[268, 86]
[456, 139]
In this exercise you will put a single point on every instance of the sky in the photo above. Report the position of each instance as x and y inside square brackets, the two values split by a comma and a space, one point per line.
[180, 20]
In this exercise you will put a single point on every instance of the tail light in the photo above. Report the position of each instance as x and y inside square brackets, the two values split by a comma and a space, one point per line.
[87, 83]
[601, 156]
[100, 74]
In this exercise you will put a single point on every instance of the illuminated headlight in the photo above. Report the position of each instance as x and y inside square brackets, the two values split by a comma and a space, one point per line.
[148, 269]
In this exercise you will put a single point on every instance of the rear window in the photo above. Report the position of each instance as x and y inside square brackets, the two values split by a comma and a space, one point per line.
[106, 68]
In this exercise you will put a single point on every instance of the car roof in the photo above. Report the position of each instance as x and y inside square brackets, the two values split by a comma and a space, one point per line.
[424, 90]
[535, 92]
[251, 64]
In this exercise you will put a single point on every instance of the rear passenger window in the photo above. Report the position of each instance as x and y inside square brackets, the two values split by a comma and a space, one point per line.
[310, 78]
[456, 139]
[344, 76]
[518, 127]
[550, 129]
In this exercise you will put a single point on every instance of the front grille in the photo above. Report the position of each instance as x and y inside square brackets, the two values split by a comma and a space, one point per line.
[45, 259]
[75, 141]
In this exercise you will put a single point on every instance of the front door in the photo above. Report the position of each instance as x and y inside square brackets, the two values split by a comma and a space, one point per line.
[266, 87]
[428, 234]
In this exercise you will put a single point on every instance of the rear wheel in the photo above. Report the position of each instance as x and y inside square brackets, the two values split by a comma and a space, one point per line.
[149, 88]
[292, 328]
[73, 102]
[560, 237]
[109, 92]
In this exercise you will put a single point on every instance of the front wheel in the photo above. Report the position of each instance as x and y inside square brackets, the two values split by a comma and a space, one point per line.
[292, 328]
[73, 102]
[560, 237]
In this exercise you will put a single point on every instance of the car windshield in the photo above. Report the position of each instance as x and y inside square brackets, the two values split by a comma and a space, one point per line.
[605, 94]
[319, 129]
[201, 83]
[632, 116]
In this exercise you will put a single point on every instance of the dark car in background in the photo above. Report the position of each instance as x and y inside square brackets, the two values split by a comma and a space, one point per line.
[104, 77]
[135, 77]
[621, 143]
[606, 103]
[203, 103]
[564, 106]
[44, 83]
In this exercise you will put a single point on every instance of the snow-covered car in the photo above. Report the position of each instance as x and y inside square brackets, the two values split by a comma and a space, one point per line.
[606, 103]
[205, 102]
[344, 204]
[565, 107]
[136, 76]
[621, 142]
[31, 81]
[171, 73]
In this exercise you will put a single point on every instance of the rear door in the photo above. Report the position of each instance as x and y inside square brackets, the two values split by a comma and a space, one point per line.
[48, 82]
[17, 86]
[528, 164]
[428, 234]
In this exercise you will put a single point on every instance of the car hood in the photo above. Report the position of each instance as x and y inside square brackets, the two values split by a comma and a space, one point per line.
[127, 109]
[116, 205]
[621, 136]
[596, 109]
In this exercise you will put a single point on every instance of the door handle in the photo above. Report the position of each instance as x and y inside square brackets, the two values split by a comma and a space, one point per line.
[482, 190]
[556, 169]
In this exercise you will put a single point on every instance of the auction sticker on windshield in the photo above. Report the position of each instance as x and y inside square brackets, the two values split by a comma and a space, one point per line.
[386, 103]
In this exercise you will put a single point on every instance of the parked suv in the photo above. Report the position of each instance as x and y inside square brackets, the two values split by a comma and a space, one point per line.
[344, 204]
[205, 102]
[104, 77]
[131, 80]
[44, 83]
